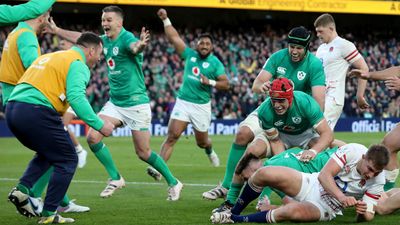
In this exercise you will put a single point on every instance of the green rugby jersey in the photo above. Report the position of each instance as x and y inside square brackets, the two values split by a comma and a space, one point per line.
[303, 114]
[192, 90]
[290, 158]
[125, 74]
[305, 74]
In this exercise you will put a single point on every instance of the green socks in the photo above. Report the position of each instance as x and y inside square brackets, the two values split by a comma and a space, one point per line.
[234, 192]
[159, 164]
[103, 154]
[40, 185]
[235, 154]
[24, 189]
[209, 150]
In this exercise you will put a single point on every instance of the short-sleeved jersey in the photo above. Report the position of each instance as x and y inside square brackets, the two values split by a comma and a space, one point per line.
[192, 90]
[350, 181]
[125, 74]
[303, 114]
[336, 57]
[291, 158]
[305, 74]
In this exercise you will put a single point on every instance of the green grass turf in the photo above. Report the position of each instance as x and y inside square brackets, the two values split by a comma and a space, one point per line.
[143, 201]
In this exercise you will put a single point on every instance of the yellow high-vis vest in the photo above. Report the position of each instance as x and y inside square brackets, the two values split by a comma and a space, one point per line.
[48, 74]
[11, 67]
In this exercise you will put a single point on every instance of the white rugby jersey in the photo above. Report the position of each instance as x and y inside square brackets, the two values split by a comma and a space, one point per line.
[350, 181]
[336, 57]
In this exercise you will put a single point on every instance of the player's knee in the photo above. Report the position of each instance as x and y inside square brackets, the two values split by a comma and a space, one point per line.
[93, 138]
[143, 153]
[244, 136]
[68, 166]
[202, 144]
[381, 210]
[172, 137]
[392, 145]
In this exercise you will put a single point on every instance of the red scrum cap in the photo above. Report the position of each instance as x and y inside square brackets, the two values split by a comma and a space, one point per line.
[282, 88]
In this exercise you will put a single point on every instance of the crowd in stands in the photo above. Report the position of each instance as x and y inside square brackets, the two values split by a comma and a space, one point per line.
[243, 53]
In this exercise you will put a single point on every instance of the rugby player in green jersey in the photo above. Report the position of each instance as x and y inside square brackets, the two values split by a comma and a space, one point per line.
[202, 72]
[128, 104]
[295, 63]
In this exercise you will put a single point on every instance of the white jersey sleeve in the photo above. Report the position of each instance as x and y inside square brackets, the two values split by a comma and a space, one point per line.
[349, 51]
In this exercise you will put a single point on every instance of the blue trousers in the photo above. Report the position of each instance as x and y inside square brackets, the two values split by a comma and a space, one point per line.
[40, 129]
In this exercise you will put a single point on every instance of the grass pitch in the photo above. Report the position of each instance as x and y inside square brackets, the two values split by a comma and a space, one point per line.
[143, 201]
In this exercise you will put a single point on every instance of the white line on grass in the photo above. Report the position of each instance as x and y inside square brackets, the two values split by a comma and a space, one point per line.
[127, 182]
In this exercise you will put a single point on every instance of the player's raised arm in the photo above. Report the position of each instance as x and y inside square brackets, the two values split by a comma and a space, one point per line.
[32, 9]
[171, 32]
[69, 35]
[138, 46]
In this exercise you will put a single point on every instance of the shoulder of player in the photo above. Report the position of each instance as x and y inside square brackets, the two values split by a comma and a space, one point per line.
[281, 53]
[342, 43]
[354, 151]
[300, 94]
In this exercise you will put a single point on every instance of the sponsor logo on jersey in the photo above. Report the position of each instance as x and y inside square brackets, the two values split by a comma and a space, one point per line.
[296, 120]
[281, 70]
[115, 50]
[196, 71]
[44, 60]
[111, 63]
[301, 75]
[288, 128]
[205, 65]
[105, 50]
[39, 65]
[193, 59]
[278, 123]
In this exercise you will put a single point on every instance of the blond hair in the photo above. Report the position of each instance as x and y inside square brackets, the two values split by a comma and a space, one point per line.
[325, 20]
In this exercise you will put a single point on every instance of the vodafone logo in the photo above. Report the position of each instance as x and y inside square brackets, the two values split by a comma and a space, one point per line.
[196, 71]
[111, 63]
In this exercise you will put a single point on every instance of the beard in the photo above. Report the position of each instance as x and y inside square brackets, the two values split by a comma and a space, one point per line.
[203, 56]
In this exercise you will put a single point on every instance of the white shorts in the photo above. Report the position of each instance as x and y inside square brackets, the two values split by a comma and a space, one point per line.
[297, 140]
[252, 122]
[199, 115]
[70, 110]
[332, 111]
[263, 137]
[311, 191]
[136, 117]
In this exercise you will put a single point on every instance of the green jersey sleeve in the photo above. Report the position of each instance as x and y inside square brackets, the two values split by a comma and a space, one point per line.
[128, 40]
[187, 53]
[318, 75]
[269, 65]
[265, 115]
[32, 9]
[77, 78]
[314, 113]
[220, 69]
[27, 48]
